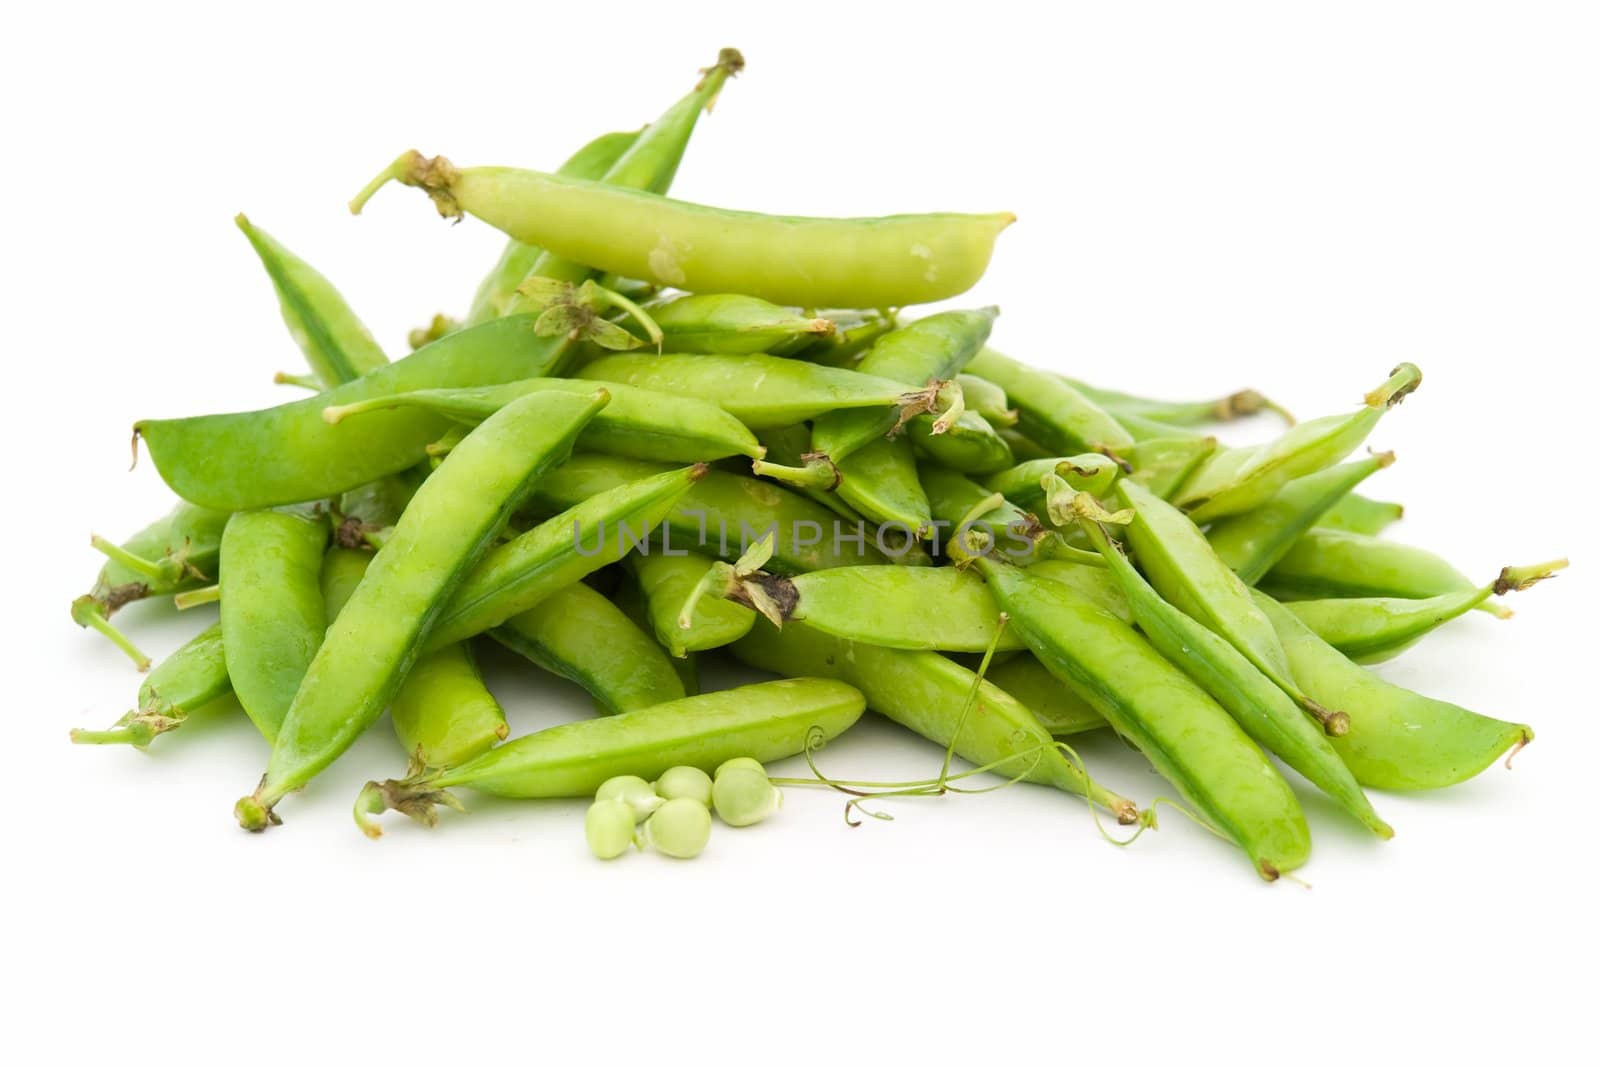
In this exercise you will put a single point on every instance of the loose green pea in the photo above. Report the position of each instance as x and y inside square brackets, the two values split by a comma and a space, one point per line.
[680, 828]
[685, 783]
[608, 827]
[739, 761]
[632, 791]
[743, 796]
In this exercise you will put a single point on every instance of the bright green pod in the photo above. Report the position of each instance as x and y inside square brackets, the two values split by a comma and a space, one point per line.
[176, 553]
[579, 635]
[372, 644]
[1059, 710]
[272, 610]
[987, 399]
[731, 324]
[1363, 515]
[444, 715]
[1236, 405]
[1264, 711]
[290, 454]
[1191, 741]
[1051, 411]
[596, 531]
[927, 351]
[960, 505]
[854, 332]
[894, 261]
[879, 481]
[768, 721]
[499, 287]
[640, 423]
[760, 391]
[630, 598]
[1375, 629]
[724, 514]
[1164, 464]
[666, 582]
[1236, 480]
[1174, 554]
[337, 345]
[1398, 739]
[971, 445]
[1023, 484]
[1252, 542]
[927, 693]
[186, 681]
[1332, 563]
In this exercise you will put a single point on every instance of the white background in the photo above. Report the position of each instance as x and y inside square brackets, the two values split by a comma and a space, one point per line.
[1210, 195]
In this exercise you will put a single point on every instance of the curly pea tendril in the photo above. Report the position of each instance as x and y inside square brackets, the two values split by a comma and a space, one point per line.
[863, 792]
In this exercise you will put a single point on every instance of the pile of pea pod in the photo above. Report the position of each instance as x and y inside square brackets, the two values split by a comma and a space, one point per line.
[664, 432]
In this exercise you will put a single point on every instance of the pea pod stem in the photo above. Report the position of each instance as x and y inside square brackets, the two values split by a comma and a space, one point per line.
[194, 598]
[91, 614]
[168, 569]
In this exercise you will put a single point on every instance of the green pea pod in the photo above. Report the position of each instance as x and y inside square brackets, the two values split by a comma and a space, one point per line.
[1375, 629]
[788, 447]
[807, 262]
[723, 514]
[290, 453]
[1236, 480]
[1182, 412]
[1363, 515]
[191, 678]
[631, 600]
[1141, 428]
[760, 391]
[1052, 412]
[342, 570]
[1179, 562]
[596, 531]
[1191, 741]
[929, 350]
[1399, 739]
[1252, 542]
[927, 693]
[960, 505]
[580, 635]
[987, 399]
[1332, 563]
[913, 608]
[336, 344]
[1265, 712]
[1021, 445]
[854, 332]
[1023, 484]
[1059, 710]
[879, 480]
[372, 644]
[970, 445]
[444, 715]
[175, 553]
[273, 616]
[666, 582]
[944, 609]
[732, 324]
[638, 422]
[1163, 464]
[768, 721]
[499, 287]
